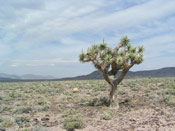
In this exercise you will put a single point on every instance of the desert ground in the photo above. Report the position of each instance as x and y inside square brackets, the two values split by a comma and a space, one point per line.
[146, 104]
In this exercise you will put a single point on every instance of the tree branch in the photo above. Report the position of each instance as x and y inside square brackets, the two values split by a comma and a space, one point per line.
[123, 73]
[106, 77]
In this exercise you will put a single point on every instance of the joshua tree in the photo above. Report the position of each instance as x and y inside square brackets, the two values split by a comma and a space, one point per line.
[110, 61]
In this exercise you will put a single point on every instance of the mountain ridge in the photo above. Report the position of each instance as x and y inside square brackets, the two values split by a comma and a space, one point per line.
[163, 72]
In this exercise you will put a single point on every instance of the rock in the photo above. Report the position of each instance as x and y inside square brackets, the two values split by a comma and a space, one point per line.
[75, 89]
[45, 119]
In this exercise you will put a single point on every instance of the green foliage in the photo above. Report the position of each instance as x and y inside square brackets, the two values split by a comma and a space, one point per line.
[107, 115]
[126, 101]
[39, 128]
[132, 50]
[23, 110]
[82, 56]
[140, 49]
[135, 88]
[14, 94]
[138, 59]
[103, 46]
[6, 123]
[21, 121]
[1, 119]
[1, 98]
[129, 46]
[108, 58]
[124, 54]
[122, 92]
[120, 61]
[124, 41]
[94, 50]
[6, 108]
[69, 112]
[72, 120]
[99, 101]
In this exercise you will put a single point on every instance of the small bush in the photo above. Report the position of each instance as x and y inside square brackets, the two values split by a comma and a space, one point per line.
[126, 101]
[39, 128]
[41, 103]
[1, 98]
[6, 123]
[69, 112]
[21, 121]
[1, 119]
[72, 120]
[24, 110]
[7, 108]
[122, 92]
[43, 108]
[107, 115]
[135, 88]
[14, 94]
[99, 102]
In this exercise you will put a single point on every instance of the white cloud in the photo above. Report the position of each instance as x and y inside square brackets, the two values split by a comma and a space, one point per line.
[43, 62]
[52, 24]
[37, 33]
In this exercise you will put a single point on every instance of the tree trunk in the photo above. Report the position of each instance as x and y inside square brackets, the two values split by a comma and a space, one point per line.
[113, 101]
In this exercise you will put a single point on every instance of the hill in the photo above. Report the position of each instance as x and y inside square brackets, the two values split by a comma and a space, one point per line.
[164, 72]
[27, 77]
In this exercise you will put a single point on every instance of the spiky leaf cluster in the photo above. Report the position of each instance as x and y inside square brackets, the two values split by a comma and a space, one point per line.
[124, 41]
[104, 57]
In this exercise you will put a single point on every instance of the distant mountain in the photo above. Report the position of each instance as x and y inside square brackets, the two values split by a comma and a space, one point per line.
[7, 77]
[164, 72]
[35, 77]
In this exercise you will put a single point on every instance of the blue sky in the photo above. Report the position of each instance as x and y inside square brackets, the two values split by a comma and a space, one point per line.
[46, 37]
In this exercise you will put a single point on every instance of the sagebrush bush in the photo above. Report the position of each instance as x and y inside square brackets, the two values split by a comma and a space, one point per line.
[21, 121]
[107, 115]
[72, 120]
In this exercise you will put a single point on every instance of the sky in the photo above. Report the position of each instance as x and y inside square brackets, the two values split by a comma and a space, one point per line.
[45, 37]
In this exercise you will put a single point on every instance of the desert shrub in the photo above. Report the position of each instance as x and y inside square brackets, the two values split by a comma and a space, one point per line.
[6, 108]
[23, 110]
[1, 119]
[135, 88]
[107, 115]
[126, 101]
[14, 94]
[41, 102]
[122, 92]
[6, 123]
[170, 91]
[1, 98]
[99, 101]
[43, 108]
[166, 98]
[21, 121]
[72, 120]
[39, 128]
[147, 91]
[69, 112]
[169, 100]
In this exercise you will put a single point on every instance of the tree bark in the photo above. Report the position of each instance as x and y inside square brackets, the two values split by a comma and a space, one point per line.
[113, 101]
